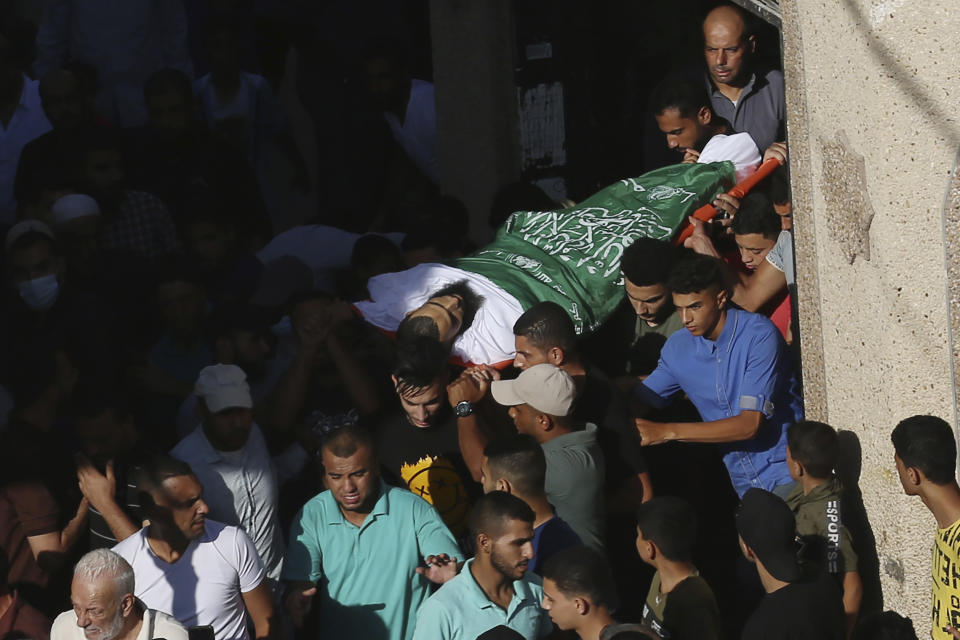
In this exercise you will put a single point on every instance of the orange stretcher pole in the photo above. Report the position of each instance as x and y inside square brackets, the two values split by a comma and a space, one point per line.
[708, 211]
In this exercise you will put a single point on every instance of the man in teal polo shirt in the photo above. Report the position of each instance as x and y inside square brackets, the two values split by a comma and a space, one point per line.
[491, 589]
[366, 544]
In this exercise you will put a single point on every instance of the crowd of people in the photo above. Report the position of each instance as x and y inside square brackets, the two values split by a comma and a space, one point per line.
[372, 428]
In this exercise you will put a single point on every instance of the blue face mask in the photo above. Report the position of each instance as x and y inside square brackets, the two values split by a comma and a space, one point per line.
[40, 293]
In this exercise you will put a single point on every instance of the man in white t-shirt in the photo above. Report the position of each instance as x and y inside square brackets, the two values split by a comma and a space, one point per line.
[104, 607]
[199, 571]
[227, 453]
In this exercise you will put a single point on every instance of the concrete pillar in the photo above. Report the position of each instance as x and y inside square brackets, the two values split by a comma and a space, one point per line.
[473, 62]
[872, 88]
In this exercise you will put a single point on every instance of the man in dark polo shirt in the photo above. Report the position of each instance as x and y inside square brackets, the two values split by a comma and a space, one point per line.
[749, 99]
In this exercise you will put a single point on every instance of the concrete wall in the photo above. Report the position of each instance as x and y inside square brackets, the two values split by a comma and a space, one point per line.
[872, 93]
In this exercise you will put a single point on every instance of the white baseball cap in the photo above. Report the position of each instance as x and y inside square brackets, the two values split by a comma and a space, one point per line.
[223, 386]
[544, 387]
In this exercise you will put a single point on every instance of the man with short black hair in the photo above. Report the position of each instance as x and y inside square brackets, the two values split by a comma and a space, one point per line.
[680, 604]
[766, 250]
[801, 603]
[516, 465]
[362, 545]
[684, 115]
[735, 368]
[419, 443]
[646, 265]
[579, 592]
[199, 571]
[491, 589]
[926, 458]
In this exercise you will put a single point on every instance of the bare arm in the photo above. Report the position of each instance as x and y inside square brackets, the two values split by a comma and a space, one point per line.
[754, 291]
[735, 429]
[50, 549]
[471, 436]
[852, 596]
[259, 604]
[296, 602]
[100, 490]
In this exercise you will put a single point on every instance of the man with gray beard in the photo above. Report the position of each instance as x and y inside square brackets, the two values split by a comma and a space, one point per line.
[104, 607]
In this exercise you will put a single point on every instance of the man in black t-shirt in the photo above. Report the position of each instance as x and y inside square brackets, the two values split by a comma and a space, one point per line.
[801, 603]
[418, 445]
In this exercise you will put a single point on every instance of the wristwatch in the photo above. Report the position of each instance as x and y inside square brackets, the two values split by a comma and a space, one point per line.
[463, 409]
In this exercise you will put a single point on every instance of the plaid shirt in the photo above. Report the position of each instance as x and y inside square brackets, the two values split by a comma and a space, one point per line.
[142, 226]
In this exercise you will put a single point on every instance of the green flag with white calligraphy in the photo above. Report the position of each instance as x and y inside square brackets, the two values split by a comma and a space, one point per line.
[572, 256]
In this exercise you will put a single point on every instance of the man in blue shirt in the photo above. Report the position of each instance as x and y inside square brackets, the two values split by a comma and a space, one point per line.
[365, 544]
[735, 368]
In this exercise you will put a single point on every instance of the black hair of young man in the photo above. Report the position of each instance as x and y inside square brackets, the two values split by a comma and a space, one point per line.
[671, 524]
[695, 273]
[814, 445]
[546, 325]
[757, 215]
[649, 261]
[491, 511]
[581, 571]
[927, 443]
[685, 94]
[420, 361]
[519, 458]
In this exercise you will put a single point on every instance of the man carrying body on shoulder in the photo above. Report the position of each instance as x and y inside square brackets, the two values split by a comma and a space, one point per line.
[545, 335]
[541, 405]
[199, 571]
[516, 465]
[104, 607]
[735, 368]
[492, 588]
[926, 459]
[419, 445]
[801, 603]
[685, 116]
[752, 100]
[361, 545]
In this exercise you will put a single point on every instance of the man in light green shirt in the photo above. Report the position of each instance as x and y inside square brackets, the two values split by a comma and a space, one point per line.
[492, 588]
[373, 549]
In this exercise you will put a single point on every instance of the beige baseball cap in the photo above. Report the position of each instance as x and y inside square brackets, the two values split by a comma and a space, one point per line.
[544, 387]
[223, 386]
